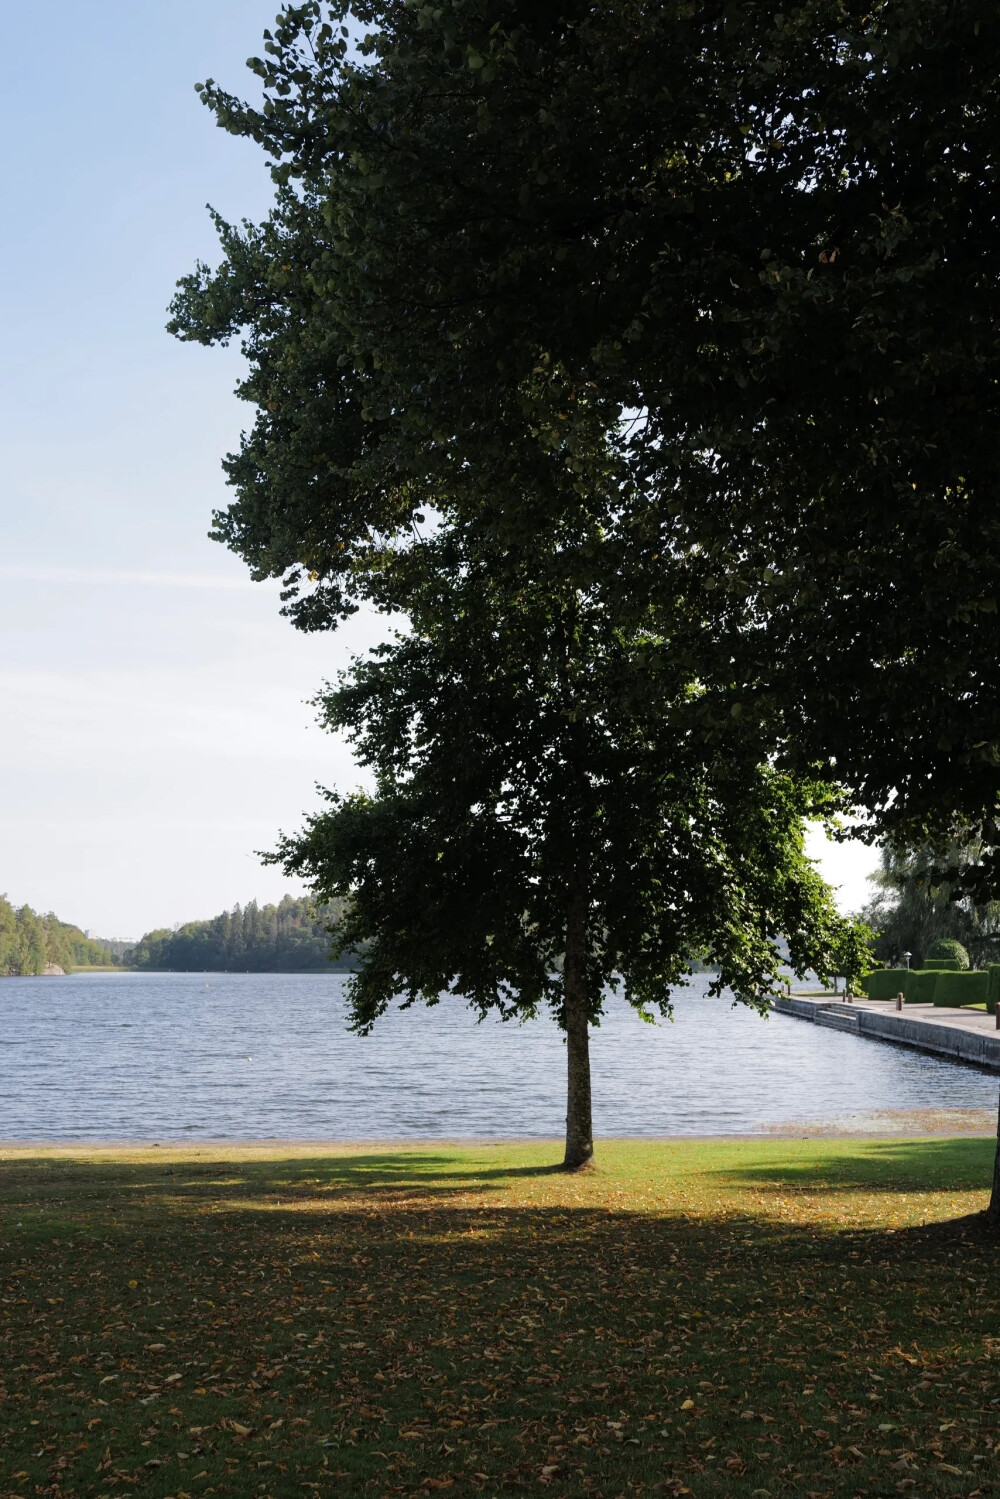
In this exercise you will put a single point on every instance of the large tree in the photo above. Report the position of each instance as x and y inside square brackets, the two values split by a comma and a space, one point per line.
[535, 841]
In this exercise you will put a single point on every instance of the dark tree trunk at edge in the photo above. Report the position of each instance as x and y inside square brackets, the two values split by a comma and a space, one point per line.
[993, 1211]
[579, 1123]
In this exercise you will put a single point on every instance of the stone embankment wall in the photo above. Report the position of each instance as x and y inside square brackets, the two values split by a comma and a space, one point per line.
[961, 1043]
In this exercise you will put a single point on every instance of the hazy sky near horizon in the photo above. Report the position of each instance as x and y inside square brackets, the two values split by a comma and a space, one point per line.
[154, 720]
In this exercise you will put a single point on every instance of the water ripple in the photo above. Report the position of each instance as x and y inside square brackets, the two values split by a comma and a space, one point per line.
[268, 1056]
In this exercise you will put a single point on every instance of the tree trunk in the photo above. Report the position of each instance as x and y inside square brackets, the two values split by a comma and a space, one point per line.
[579, 1121]
[993, 1211]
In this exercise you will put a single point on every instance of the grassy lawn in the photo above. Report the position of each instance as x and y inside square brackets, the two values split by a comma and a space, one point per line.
[808, 1317]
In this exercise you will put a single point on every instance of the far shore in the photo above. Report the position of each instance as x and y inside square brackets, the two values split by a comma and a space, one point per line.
[191, 972]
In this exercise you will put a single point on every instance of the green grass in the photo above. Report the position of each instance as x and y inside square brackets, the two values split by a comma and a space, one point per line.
[807, 1317]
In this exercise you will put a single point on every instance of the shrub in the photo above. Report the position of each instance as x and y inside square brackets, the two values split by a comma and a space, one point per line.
[947, 947]
[993, 974]
[919, 986]
[956, 989]
[884, 983]
[944, 965]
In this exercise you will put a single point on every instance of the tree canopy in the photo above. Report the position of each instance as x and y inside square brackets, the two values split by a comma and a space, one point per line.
[535, 840]
[509, 769]
[732, 267]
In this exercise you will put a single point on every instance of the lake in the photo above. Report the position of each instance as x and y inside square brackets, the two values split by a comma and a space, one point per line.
[268, 1056]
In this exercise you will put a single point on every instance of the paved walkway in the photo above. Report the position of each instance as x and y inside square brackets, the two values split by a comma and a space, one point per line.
[962, 1035]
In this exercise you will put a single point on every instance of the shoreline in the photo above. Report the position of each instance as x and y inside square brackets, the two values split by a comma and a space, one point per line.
[267, 1145]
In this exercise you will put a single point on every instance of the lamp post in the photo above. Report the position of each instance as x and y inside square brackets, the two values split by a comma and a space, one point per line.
[907, 956]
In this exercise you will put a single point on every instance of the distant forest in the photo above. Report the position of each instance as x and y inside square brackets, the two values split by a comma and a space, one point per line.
[292, 937]
[29, 943]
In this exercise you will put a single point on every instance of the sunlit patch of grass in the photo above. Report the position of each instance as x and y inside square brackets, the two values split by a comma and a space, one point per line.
[810, 1317]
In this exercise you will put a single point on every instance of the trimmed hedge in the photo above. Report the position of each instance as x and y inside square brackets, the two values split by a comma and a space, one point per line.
[919, 986]
[952, 990]
[944, 965]
[949, 987]
[884, 983]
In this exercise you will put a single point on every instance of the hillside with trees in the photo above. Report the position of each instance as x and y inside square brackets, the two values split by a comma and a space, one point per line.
[292, 937]
[31, 942]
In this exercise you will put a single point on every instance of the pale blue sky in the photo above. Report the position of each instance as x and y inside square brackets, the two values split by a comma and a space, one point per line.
[154, 728]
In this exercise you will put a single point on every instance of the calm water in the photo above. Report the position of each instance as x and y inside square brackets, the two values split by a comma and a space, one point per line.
[151, 1056]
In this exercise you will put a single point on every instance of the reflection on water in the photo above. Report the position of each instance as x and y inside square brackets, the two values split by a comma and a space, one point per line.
[150, 1056]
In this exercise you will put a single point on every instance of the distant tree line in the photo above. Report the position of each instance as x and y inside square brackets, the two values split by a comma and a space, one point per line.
[291, 937]
[30, 942]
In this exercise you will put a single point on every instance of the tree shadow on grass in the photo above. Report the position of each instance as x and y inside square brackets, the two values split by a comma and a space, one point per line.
[397, 1335]
[951, 1165]
[382, 1177]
